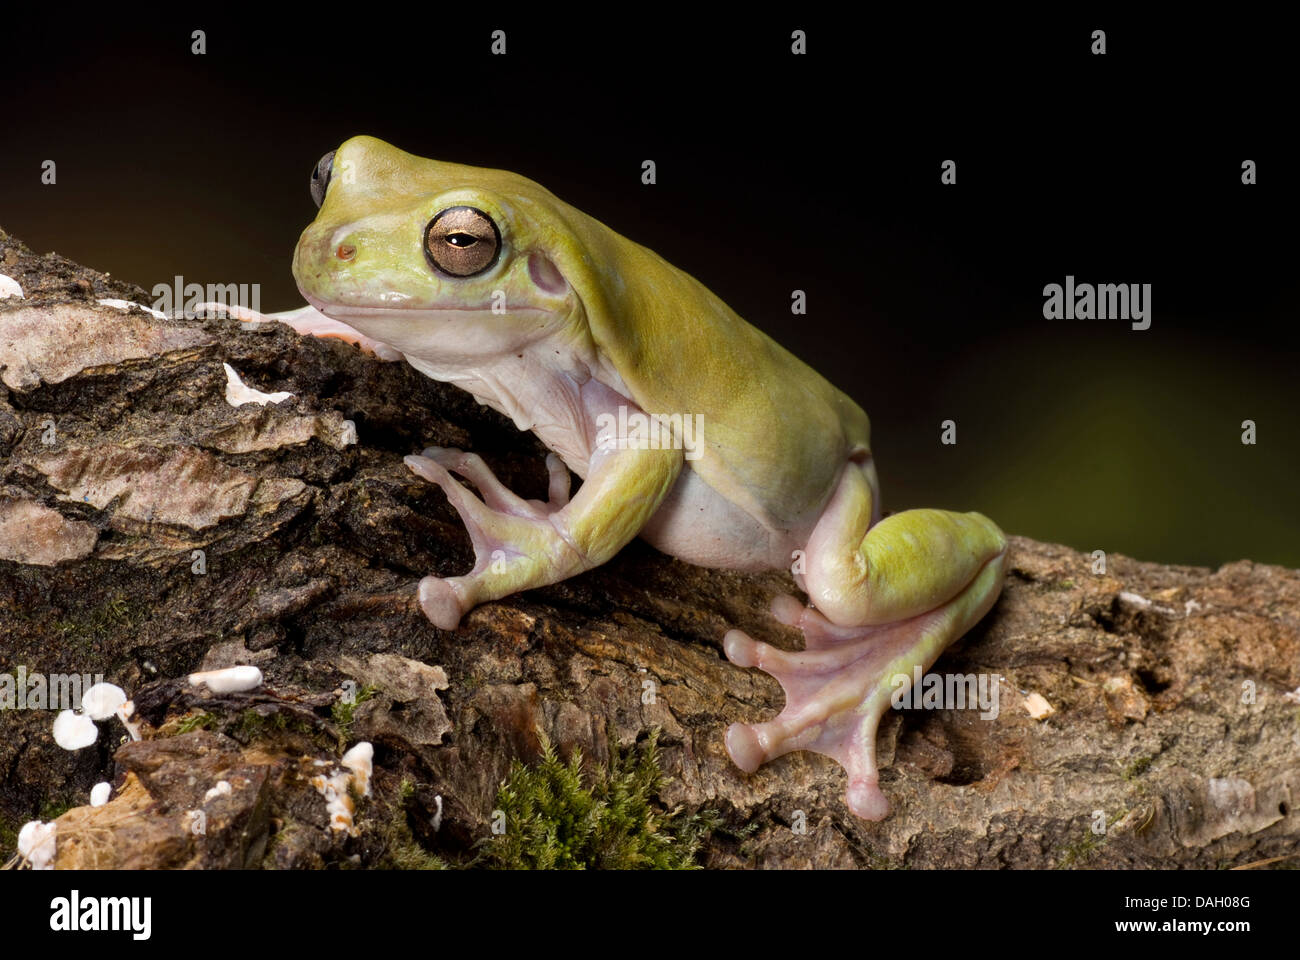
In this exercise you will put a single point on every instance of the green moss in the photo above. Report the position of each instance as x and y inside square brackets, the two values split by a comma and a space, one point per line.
[252, 725]
[1137, 768]
[344, 712]
[556, 820]
[401, 850]
[8, 838]
[197, 720]
[1080, 852]
[53, 809]
[118, 615]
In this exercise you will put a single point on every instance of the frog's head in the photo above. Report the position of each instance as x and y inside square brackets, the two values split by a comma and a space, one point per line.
[444, 262]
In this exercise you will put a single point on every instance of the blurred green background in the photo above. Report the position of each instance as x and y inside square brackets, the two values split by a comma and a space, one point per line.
[777, 173]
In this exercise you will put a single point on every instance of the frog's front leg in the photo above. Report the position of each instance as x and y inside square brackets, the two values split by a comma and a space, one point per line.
[888, 599]
[520, 544]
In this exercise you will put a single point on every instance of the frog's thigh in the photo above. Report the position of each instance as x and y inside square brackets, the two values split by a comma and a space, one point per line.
[905, 565]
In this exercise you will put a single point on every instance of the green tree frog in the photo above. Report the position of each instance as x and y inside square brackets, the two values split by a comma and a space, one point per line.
[484, 279]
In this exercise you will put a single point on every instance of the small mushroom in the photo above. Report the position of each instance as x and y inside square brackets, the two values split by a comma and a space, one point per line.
[102, 700]
[37, 843]
[229, 680]
[99, 794]
[9, 287]
[73, 730]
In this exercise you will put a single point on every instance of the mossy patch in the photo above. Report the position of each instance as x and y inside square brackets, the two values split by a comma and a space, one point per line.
[198, 720]
[401, 850]
[1081, 851]
[555, 818]
[344, 712]
[1137, 768]
[8, 838]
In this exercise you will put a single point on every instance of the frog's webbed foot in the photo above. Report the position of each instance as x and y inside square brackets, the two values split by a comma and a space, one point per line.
[840, 685]
[308, 321]
[513, 538]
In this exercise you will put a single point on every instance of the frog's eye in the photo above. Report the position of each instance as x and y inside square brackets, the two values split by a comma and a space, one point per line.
[320, 177]
[462, 241]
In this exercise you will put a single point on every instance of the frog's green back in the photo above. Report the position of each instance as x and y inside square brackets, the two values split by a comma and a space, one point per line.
[769, 420]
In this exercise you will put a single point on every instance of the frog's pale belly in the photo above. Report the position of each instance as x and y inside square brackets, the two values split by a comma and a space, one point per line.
[697, 524]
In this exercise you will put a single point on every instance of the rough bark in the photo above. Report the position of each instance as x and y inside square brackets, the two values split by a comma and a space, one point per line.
[120, 456]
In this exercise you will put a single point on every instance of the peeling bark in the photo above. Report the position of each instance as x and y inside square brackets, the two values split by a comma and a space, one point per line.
[1150, 698]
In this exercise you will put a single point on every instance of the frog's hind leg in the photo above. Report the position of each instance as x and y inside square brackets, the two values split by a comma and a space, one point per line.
[308, 321]
[888, 601]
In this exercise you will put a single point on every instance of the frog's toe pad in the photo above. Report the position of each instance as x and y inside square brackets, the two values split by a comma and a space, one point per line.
[440, 603]
[744, 747]
[866, 799]
[740, 648]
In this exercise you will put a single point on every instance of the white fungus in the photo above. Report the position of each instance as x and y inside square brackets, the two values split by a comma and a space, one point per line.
[230, 680]
[37, 842]
[338, 788]
[222, 789]
[102, 700]
[127, 305]
[124, 713]
[72, 730]
[338, 800]
[238, 393]
[99, 794]
[9, 287]
[360, 760]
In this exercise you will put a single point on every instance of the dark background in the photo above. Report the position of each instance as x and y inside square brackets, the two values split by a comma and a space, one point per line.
[775, 173]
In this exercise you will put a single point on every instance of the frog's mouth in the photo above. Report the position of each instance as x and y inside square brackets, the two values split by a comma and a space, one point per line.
[441, 333]
[404, 313]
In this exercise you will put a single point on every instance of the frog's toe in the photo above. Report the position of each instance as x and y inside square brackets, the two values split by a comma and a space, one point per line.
[741, 649]
[443, 455]
[787, 609]
[426, 467]
[440, 602]
[866, 800]
[745, 748]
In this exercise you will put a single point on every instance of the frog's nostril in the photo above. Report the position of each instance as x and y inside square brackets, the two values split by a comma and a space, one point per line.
[345, 251]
